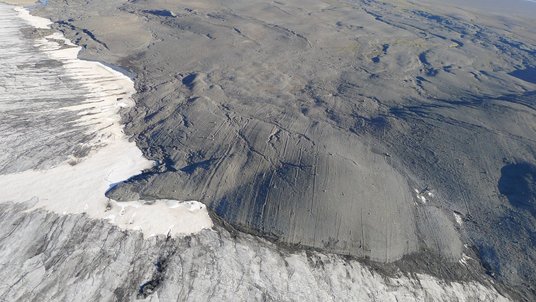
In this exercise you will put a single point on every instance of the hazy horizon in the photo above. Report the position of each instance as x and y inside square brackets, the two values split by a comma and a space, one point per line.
[525, 8]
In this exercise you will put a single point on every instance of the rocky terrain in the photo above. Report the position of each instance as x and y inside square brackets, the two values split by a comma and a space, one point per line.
[398, 133]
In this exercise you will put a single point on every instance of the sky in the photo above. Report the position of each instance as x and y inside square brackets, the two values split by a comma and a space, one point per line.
[525, 8]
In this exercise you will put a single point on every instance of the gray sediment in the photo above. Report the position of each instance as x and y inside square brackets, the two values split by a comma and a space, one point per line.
[357, 128]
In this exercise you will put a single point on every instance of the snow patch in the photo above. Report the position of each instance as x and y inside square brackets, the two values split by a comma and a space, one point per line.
[458, 218]
[464, 259]
[422, 194]
[36, 22]
[159, 216]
